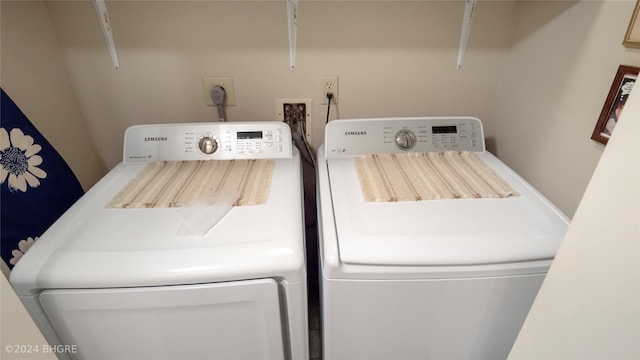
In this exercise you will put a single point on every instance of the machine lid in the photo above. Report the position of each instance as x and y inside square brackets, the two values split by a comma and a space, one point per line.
[92, 246]
[443, 232]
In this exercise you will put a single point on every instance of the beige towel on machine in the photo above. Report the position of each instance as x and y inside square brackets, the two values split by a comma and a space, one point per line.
[428, 176]
[183, 183]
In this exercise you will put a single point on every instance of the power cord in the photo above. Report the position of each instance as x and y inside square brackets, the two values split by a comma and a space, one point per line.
[302, 129]
[217, 95]
[329, 98]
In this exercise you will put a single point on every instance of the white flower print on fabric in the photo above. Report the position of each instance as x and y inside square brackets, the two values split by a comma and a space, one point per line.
[23, 246]
[18, 160]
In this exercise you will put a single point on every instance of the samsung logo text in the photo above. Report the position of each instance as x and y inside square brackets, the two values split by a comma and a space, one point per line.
[156, 138]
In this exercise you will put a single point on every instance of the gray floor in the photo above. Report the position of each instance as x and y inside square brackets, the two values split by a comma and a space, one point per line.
[315, 345]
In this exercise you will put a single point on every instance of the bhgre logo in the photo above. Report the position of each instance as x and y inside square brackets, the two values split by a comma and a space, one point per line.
[355, 133]
[155, 138]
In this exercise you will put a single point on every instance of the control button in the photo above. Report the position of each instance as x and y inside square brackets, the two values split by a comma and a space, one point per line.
[208, 145]
[405, 139]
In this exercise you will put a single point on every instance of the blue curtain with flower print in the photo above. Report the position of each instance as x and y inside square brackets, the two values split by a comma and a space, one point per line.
[37, 184]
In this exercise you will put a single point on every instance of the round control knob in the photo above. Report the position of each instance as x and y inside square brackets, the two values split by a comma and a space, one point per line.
[405, 139]
[208, 145]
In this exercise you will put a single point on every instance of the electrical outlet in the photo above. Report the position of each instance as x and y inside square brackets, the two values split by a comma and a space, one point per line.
[226, 82]
[329, 84]
[296, 113]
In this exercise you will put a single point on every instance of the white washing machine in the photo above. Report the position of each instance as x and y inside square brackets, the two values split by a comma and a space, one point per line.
[449, 278]
[119, 283]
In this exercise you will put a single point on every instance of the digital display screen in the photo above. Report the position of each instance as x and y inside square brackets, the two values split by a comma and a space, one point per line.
[249, 134]
[448, 129]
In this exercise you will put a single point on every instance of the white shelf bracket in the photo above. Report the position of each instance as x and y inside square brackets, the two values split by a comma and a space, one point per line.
[292, 20]
[105, 23]
[469, 8]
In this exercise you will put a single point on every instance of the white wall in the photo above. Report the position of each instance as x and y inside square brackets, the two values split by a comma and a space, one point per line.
[553, 86]
[33, 74]
[394, 58]
[589, 304]
[20, 339]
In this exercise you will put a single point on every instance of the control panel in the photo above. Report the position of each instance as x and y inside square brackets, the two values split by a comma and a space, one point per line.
[207, 141]
[396, 135]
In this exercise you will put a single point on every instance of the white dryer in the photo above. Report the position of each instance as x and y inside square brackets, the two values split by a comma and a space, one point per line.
[448, 278]
[119, 283]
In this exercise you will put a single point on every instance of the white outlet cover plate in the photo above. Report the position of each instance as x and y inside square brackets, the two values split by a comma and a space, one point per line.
[333, 79]
[208, 82]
